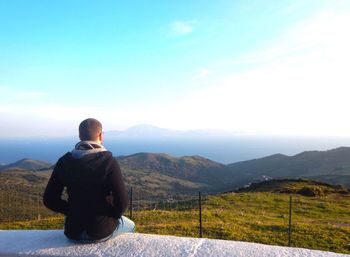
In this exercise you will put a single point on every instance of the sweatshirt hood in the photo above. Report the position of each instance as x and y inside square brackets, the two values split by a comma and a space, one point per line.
[84, 148]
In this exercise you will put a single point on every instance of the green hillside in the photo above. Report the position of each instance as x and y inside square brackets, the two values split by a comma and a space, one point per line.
[21, 195]
[296, 186]
[192, 168]
[185, 167]
[27, 164]
[148, 183]
[332, 166]
[24, 178]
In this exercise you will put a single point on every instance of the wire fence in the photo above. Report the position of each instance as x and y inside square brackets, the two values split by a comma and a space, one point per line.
[280, 219]
[271, 218]
[167, 214]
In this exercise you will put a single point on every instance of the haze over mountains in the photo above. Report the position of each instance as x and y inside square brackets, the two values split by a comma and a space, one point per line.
[221, 146]
[163, 173]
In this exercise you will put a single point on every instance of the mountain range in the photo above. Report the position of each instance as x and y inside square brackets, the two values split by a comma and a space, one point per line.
[332, 166]
[150, 131]
[162, 173]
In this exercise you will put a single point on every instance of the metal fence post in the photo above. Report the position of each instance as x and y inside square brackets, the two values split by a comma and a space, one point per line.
[290, 222]
[200, 214]
[38, 204]
[130, 207]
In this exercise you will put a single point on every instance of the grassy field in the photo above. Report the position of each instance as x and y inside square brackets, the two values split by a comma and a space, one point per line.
[321, 223]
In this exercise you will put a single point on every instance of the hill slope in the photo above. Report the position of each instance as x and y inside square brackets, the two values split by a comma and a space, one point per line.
[192, 168]
[295, 186]
[27, 164]
[329, 166]
[185, 167]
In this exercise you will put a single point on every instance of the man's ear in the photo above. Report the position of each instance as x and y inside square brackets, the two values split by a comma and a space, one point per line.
[100, 137]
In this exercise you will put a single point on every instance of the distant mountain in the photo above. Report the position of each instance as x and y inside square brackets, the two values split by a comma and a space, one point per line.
[328, 166]
[149, 131]
[27, 164]
[141, 131]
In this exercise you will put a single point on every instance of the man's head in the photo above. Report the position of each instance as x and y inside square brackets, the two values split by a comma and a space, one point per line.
[90, 129]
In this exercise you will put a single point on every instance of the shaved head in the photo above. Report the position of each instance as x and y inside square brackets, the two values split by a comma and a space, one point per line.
[90, 129]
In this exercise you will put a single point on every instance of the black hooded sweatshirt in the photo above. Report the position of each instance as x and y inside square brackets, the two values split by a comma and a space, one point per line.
[88, 181]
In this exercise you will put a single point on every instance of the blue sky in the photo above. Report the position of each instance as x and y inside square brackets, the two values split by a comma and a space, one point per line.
[275, 67]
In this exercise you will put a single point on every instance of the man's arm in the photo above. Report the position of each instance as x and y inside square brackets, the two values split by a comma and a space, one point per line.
[53, 193]
[119, 193]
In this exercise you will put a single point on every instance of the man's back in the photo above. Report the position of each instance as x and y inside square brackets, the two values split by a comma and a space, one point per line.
[91, 175]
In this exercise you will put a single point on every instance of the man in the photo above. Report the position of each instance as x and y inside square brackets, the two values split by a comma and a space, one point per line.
[97, 197]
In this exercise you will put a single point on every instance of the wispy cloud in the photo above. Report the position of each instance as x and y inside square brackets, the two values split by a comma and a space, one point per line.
[180, 28]
[201, 73]
[322, 35]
